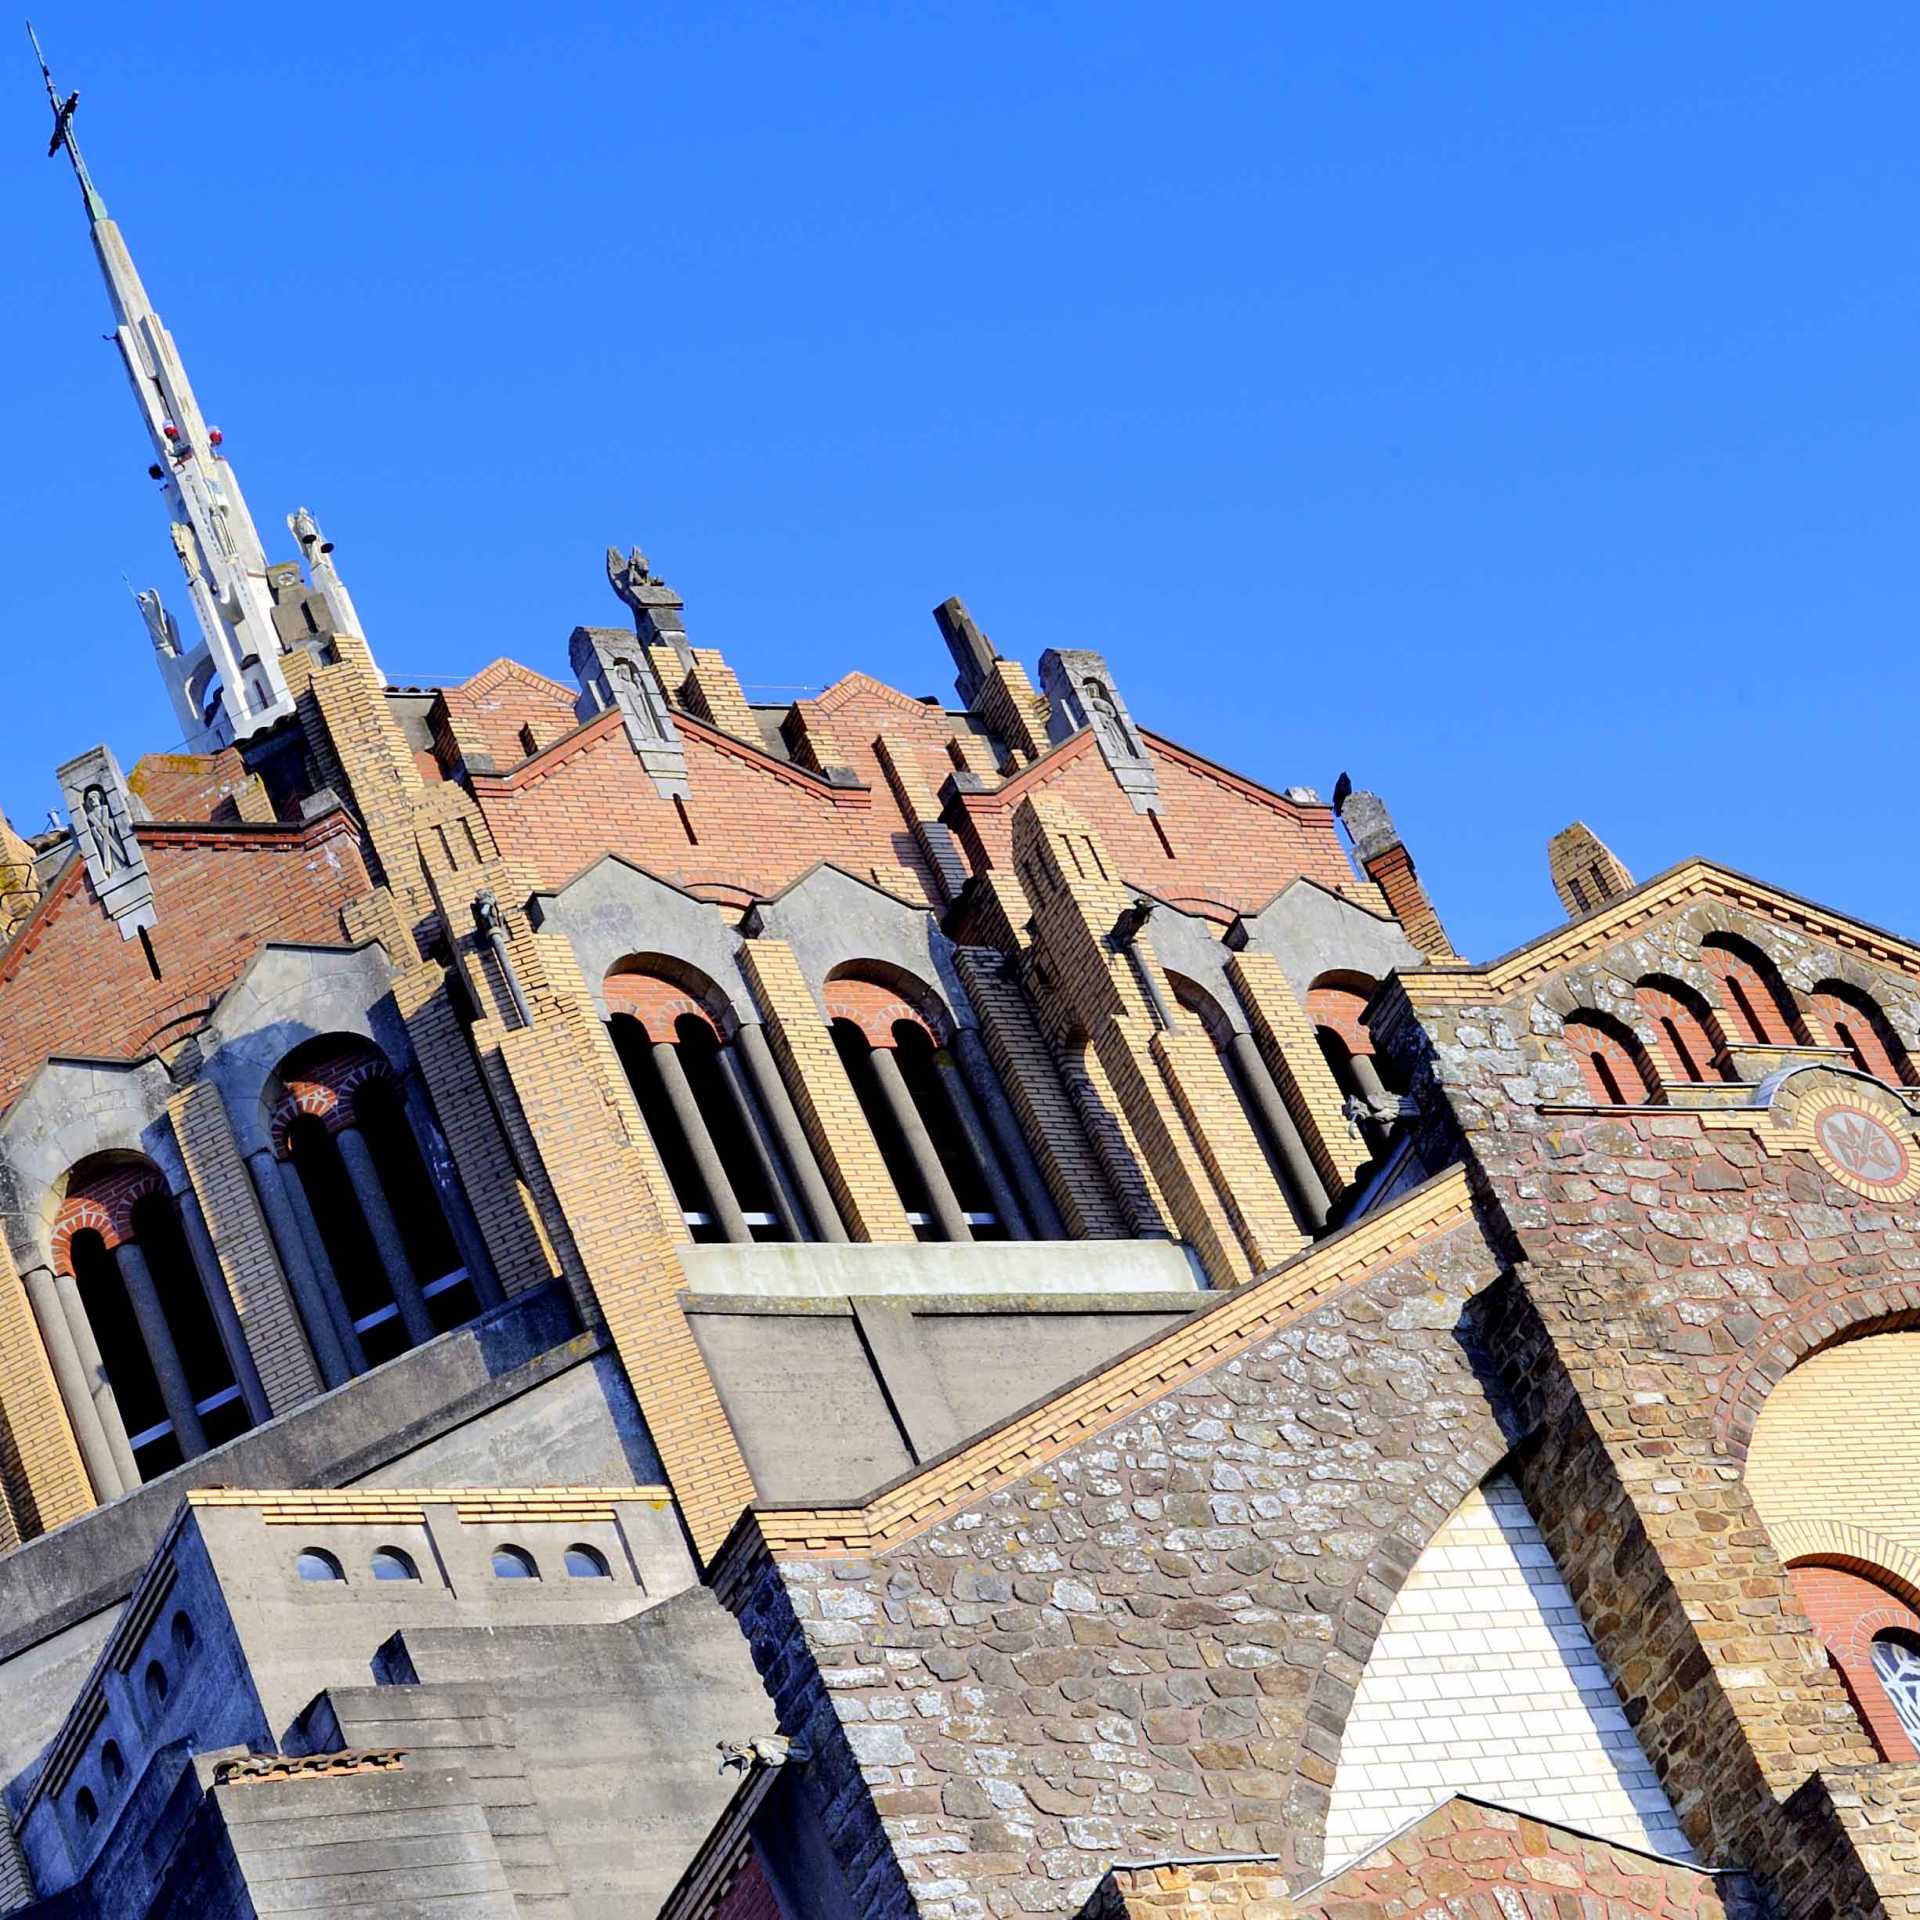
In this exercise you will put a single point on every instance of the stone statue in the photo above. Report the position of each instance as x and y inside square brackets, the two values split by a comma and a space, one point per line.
[161, 626]
[1104, 716]
[110, 836]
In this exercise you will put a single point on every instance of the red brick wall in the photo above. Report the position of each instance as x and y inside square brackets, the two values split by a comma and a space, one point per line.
[72, 985]
[750, 1897]
[1847, 1611]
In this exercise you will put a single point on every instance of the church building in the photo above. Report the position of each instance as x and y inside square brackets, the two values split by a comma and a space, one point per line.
[621, 1302]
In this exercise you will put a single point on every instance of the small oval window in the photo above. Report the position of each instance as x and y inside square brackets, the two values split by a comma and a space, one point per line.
[391, 1563]
[315, 1563]
[587, 1563]
[183, 1635]
[112, 1764]
[514, 1563]
[157, 1684]
[85, 1808]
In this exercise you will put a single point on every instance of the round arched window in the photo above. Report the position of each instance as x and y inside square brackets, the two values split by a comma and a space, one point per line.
[514, 1563]
[1896, 1665]
[158, 1686]
[316, 1563]
[393, 1563]
[112, 1764]
[85, 1809]
[587, 1563]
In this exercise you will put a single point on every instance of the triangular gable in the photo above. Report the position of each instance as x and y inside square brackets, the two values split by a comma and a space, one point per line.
[504, 669]
[1665, 893]
[826, 877]
[854, 686]
[1004, 1453]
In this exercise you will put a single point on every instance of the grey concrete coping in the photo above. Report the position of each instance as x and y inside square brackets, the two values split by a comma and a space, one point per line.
[797, 1270]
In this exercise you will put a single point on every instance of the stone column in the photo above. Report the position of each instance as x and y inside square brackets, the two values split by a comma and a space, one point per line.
[213, 1283]
[336, 1346]
[906, 1117]
[99, 1387]
[753, 1124]
[1006, 1203]
[991, 1099]
[445, 1176]
[357, 1157]
[70, 1375]
[693, 1129]
[750, 1041]
[1302, 1176]
[144, 1298]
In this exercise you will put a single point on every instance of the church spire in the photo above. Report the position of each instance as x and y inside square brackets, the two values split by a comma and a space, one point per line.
[230, 685]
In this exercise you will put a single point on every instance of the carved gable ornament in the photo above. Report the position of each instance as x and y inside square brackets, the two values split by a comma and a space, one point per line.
[103, 812]
[1080, 689]
[1862, 1135]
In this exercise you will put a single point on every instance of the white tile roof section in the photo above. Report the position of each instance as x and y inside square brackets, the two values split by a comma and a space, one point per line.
[1484, 1681]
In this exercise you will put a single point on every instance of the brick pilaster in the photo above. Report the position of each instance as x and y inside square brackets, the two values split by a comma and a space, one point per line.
[1008, 703]
[269, 1321]
[712, 692]
[931, 834]
[45, 1478]
[1286, 1040]
[829, 1108]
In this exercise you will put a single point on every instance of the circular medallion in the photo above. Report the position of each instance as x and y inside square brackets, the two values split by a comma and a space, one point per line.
[1862, 1150]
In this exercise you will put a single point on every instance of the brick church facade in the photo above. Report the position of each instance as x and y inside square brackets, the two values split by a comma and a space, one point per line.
[619, 1301]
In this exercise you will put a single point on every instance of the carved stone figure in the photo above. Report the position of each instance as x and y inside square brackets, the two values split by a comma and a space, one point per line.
[111, 842]
[1081, 693]
[103, 811]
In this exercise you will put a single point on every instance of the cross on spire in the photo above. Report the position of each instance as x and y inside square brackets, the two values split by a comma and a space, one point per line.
[63, 135]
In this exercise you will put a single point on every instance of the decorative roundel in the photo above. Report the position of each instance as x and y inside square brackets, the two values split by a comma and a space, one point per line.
[1862, 1151]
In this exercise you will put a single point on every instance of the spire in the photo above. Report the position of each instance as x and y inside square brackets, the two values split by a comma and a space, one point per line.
[231, 684]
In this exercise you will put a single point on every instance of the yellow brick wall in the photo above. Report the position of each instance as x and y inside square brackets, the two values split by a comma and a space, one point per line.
[1838, 1444]
[45, 1480]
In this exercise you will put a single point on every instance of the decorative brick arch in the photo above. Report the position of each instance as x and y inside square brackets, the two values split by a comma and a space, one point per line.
[1839, 1543]
[102, 1203]
[876, 999]
[324, 1090]
[660, 990]
[1338, 1002]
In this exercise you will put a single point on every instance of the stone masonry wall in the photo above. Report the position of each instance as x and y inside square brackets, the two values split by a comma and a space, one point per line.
[1149, 1644]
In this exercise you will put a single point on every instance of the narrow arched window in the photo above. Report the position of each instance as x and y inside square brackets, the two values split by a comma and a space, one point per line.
[393, 1563]
[1752, 994]
[1686, 1048]
[316, 1563]
[113, 1765]
[86, 1809]
[183, 1635]
[587, 1563]
[1896, 1665]
[1612, 1062]
[514, 1563]
[1852, 1019]
[157, 1684]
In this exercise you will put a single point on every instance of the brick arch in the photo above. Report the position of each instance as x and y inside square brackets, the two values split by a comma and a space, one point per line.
[1204, 1006]
[1751, 989]
[322, 1086]
[1850, 1602]
[1824, 1317]
[1851, 1016]
[1687, 1036]
[1338, 1001]
[660, 992]
[875, 997]
[102, 1201]
[1603, 1040]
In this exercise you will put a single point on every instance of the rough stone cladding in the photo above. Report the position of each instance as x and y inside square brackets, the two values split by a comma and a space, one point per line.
[1673, 1263]
[1148, 1640]
[70, 985]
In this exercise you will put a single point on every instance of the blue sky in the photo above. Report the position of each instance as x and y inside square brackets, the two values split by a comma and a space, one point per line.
[1513, 405]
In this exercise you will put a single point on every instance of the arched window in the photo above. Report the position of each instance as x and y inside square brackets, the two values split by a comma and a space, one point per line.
[156, 1684]
[393, 1563]
[316, 1563]
[1896, 1665]
[158, 1316]
[1683, 1041]
[514, 1563]
[1752, 994]
[360, 1215]
[113, 1765]
[1337, 1005]
[704, 1106]
[946, 1168]
[1264, 1106]
[1852, 1019]
[587, 1563]
[183, 1635]
[1612, 1062]
[86, 1809]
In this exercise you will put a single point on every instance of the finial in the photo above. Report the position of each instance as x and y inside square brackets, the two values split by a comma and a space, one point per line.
[63, 112]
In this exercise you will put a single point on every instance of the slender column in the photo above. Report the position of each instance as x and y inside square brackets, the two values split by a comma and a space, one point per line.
[453, 1196]
[906, 1116]
[1303, 1178]
[71, 1378]
[1366, 1076]
[357, 1157]
[757, 1058]
[693, 1129]
[144, 1298]
[753, 1123]
[213, 1284]
[336, 1346]
[967, 1116]
[99, 1388]
[991, 1099]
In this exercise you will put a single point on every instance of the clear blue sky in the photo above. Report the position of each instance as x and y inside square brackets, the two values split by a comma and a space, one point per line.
[1515, 405]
